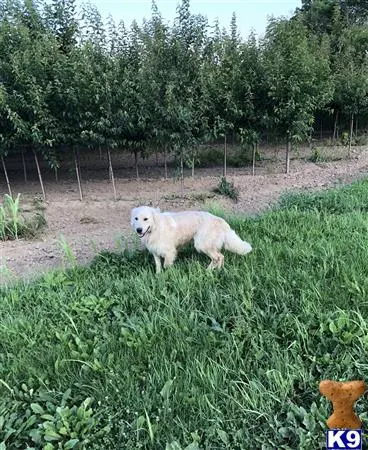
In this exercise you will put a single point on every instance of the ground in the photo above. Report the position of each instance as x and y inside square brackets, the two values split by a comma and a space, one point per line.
[98, 222]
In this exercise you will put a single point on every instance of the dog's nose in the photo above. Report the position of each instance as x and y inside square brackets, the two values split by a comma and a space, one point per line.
[139, 230]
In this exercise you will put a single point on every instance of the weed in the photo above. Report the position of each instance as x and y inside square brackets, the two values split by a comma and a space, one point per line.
[227, 189]
[13, 223]
[67, 252]
[88, 220]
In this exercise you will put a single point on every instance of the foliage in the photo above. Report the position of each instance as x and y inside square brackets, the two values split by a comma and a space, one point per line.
[13, 223]
[229, 359]
[298, 79]
[71, 82]
[48, 420]
[228, 189]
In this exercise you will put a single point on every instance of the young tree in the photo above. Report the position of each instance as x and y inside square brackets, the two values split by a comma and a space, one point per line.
[298, 79]
[351, 78]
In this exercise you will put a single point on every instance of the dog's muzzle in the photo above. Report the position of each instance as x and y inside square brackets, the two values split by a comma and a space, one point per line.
[141, 235]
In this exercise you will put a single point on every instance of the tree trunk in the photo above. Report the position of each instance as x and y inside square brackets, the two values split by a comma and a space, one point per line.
[255, 145]
[288, 151]
[156, 154]
[181, 171]
[225, 155]
[39, 176]
[24, 167]
[335, 125]
[165, 161]
[193, 157]
[99, 149]
[136, 164]
[351, 133]
[56, 175]
[111, 171]
[76, 162]
[6, 176]
[321, 135]
[356, 126]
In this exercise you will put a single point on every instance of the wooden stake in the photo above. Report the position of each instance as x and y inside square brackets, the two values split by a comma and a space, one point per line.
[136, 164]
[254, 159]
[334, 136]
[225, 154]
[39, 176]
[288, 151]
[165, 162]
[181, 171]
[76, 162]
[111, 171]
[6, 176]
[351, 133]
[56, 175]
[24, 167]
[193, 158]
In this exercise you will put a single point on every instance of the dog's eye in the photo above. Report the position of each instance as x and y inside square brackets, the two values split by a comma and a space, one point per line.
[136, 218]
[145, 219]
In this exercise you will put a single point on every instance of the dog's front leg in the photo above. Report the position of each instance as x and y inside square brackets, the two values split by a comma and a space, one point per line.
[158, 263]
[169, 259]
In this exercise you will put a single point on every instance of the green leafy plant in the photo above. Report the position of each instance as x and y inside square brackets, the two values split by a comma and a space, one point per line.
[14, 224]
[227, 189]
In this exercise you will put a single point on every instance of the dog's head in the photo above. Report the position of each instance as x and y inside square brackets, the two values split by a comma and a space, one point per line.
[143, 219]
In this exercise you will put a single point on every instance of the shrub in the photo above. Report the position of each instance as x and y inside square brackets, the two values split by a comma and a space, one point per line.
[13, 224]
[227, 189]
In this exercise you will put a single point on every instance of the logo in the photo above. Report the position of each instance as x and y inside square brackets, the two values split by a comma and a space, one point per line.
[345, 426]
[344, 439]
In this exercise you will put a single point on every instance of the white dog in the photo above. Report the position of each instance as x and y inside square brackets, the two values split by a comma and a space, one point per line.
[163, 233]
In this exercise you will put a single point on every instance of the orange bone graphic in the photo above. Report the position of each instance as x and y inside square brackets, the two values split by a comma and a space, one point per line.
[343, 396]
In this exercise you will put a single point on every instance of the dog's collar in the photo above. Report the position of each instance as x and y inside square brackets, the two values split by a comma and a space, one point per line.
[141, 237]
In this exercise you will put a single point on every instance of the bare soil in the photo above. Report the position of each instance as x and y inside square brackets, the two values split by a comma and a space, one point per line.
[98, 222]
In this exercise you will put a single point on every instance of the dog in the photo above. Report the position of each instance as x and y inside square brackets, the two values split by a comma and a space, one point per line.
[162, 233]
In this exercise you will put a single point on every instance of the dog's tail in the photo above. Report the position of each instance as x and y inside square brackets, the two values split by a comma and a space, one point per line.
[234, 244]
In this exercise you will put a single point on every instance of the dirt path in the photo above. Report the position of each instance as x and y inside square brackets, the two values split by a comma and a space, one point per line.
[99, 222]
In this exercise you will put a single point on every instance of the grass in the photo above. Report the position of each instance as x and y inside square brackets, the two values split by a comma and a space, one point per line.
[112, 356]
[13, 222]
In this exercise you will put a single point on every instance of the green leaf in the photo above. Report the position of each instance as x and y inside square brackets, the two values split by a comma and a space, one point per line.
[70, 444]
[51, 435]
[140, 421]
[173, 446]
[192, 446]
[165, 391]
[223, 436]
[37, 409]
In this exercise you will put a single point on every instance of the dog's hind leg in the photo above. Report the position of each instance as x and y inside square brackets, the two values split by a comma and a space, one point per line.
[158, 263]
[217, 258]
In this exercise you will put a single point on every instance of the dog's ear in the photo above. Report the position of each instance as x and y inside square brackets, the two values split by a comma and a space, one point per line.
[155, 212]
[132, 214]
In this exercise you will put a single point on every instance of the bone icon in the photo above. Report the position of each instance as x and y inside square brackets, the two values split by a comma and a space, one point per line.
[343, 396]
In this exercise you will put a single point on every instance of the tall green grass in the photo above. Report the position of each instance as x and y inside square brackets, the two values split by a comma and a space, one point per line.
[13, 224]
[114, 357]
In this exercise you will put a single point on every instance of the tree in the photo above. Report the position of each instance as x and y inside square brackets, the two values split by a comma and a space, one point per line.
[351, 77]
[60, 18]
[298, 79]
